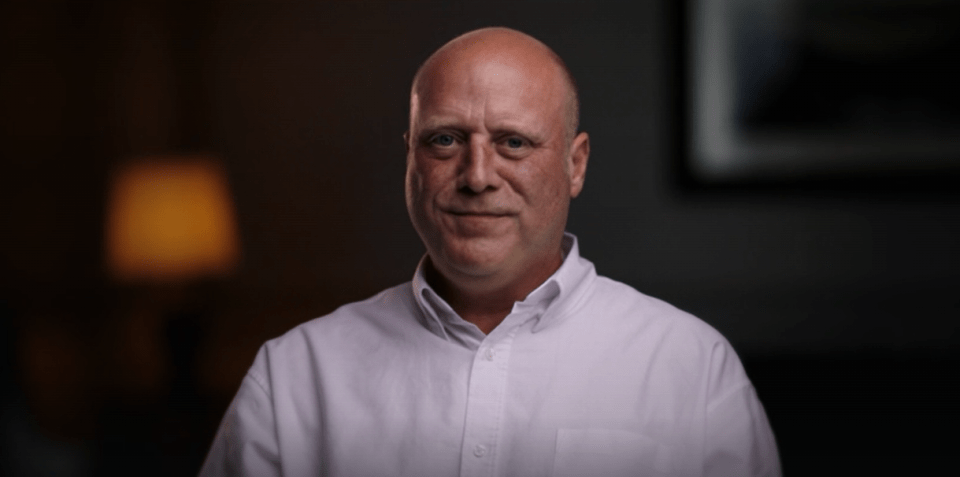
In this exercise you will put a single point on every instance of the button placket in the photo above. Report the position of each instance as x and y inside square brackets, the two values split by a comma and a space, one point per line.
[480, 450]
[485, 399]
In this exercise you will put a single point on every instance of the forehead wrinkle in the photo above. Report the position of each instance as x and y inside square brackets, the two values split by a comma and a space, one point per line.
[510, 83]
[513, 47]
[482, 116]
[450, 115]
[451, 101]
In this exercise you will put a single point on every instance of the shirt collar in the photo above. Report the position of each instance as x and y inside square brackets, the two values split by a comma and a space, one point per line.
[548, 304]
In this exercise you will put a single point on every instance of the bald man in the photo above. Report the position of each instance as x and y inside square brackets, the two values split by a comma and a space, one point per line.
[506, 355]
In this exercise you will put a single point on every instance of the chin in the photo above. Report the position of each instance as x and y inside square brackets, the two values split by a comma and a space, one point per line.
[475, 260]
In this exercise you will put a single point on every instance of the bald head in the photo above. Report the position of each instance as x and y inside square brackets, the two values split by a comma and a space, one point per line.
[493, 161]
[502, 45]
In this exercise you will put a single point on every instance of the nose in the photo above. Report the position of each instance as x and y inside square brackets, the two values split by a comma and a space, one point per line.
[477, 168]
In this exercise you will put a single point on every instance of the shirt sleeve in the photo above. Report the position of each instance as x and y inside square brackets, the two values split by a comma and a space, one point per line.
[246, 443]
[739, 440]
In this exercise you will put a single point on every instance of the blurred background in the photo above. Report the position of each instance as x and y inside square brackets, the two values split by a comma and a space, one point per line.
[183, 180]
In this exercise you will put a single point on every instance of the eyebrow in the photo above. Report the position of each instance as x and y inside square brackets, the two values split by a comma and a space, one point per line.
[437, 124]
[534, 137]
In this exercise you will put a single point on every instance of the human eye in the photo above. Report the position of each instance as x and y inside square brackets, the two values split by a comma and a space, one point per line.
[514, 146]
[442, 139]
[515, 142]
[441, 144]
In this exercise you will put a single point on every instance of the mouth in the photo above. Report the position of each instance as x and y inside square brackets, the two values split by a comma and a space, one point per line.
[476, 223]
[478, 214]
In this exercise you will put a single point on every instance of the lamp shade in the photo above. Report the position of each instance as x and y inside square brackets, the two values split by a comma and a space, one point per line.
[170, 219]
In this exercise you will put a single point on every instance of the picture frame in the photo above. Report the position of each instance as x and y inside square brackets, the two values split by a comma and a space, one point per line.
[822, 94]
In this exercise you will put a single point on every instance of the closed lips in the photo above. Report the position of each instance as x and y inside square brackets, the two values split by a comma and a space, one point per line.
[480, 214]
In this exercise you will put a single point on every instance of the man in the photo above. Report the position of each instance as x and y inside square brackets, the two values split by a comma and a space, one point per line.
[506, 354]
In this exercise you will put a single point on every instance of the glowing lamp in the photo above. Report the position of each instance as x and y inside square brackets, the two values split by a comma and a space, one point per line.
[170, 219]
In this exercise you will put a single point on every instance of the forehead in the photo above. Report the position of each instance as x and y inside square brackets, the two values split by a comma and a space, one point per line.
[500, 85]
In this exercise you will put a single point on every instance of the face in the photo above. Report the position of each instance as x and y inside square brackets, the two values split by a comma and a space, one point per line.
[491, 168]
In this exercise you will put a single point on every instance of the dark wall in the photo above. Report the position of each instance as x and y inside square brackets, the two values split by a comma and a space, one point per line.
[309, 105]
[305, 101]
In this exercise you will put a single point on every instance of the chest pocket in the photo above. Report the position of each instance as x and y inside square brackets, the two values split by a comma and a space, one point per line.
[609, 452]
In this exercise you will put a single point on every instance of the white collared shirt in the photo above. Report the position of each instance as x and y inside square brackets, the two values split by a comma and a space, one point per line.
[585, 377]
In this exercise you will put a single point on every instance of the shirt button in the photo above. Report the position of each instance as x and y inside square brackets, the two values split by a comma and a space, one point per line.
[488, 354]
[480, 451]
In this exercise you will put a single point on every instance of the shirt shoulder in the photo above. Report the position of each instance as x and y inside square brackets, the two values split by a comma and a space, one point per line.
[391, 308]
[349, 330]
[680, 338]
[623, 302]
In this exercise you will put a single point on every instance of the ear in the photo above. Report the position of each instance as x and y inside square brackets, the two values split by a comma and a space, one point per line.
[579, 155]
[406, 141]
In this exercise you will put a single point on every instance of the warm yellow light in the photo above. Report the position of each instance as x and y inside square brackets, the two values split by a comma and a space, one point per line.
[171, 219]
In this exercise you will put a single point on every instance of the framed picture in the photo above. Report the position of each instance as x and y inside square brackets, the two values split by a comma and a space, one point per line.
[791, 91]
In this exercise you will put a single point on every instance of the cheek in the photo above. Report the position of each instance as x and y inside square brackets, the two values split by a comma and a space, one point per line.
[411, 185]
[425, 181]
[418, 177]
[545, 189]
[433, 176]
[415, 192]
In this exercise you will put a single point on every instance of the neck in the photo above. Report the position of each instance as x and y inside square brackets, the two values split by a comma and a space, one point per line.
[485, 302]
